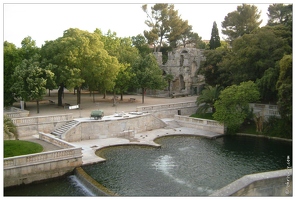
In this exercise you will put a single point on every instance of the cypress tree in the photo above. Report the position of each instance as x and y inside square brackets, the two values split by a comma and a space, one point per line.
[215, 38]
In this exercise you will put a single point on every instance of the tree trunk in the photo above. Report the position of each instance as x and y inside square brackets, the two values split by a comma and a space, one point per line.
[94, 100]
[49, 92]
[121, 96]
[114, 98]
[104, 97]
[78, 95]
[37, 106]
[143, 94]
[60, 95]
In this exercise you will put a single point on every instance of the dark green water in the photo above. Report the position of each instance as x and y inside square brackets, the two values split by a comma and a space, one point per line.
[183, 166]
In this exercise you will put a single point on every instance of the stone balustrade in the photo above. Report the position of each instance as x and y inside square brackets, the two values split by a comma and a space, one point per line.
[199, 123]
[13, 112]
[166, 106]
[53, 140]
[25, 121]
[45, 157]
[266, 109]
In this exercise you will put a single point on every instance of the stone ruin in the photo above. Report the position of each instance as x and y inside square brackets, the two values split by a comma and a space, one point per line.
[183, 64]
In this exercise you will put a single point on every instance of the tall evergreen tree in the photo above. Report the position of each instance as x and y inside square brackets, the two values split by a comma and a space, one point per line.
[215, 38]
[242, 21]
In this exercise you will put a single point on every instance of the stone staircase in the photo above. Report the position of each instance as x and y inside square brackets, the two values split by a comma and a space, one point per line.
[171, 123]
[63, 129]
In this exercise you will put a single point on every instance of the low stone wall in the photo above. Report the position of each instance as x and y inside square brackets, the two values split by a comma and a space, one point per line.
[170, 110]
[40, 166]
[28, 126]
[121, 127]
[199, 123]
[13, 112]
[274, 183]
[266, 109]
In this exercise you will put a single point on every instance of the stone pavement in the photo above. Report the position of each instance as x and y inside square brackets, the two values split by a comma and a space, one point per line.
[89, 147]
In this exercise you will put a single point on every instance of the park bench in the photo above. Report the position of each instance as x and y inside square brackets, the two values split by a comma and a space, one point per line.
[66, 105]
[97, 114]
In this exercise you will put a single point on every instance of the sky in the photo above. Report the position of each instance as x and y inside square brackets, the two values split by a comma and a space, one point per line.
[47, 21]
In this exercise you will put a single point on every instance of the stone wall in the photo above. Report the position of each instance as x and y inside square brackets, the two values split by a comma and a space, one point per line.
[28, 126]
[198, 123]
[40, 166]
[169, 110]
[121, 127]
[183, 64]
[274, 183]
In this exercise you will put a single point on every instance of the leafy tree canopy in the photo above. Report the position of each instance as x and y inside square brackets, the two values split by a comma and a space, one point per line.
[232, 107]
[242, 21]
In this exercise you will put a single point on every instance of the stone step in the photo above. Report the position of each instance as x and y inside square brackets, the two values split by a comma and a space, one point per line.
[59, 131]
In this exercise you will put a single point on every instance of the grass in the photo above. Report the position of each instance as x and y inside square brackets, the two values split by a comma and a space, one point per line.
[20, 147]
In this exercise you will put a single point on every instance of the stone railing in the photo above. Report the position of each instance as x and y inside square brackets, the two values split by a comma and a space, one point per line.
[35, 167]
[166, 106]
[53, 140]
[266, 109]
[25, 121]
[69, 151]
[45, 157]
[13, 112]
[199, 123]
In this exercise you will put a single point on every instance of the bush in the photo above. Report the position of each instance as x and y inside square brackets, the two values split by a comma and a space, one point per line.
[278, 127]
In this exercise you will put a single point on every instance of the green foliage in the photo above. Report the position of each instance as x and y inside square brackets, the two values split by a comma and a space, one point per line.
[30, 80]
[12, 58]
[9, 128]
[278, 127]
[242, 21]
[209, 67]
[148, 75]
[206, 100]
[280, 14]
[203, 115]
[251, 55]
[284, 87]
[140, 43]
[267, 85]
[20, 147]
[164, 22]
[215, 38]
[232, 107]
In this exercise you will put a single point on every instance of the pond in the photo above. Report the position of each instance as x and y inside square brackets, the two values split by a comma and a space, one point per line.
[183, 166]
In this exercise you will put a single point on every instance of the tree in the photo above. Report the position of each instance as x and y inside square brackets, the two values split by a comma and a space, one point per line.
[30, 80]
[148, 75]
[209, 67]
[280, 14]
[11, 60]
[9, 128]
[232, 107]
[206, 100]
[252, 54]
[140, 43]
[242, 21]
[215, 38]
[169, 78]
[54, 55]
[164, 22]
[284, 87]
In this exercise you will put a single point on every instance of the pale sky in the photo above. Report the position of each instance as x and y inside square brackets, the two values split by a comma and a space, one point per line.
[48, 21]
